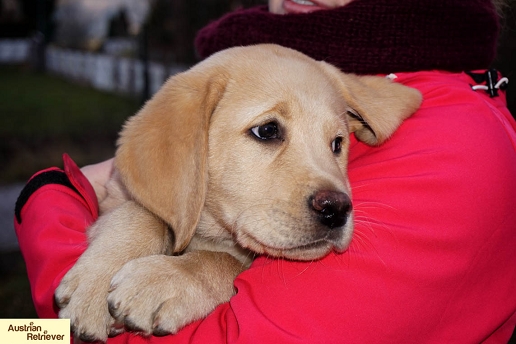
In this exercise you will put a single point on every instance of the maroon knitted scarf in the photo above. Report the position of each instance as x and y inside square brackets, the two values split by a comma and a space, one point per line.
[371, 36]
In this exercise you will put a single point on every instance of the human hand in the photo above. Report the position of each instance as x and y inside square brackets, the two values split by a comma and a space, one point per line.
[98, 175]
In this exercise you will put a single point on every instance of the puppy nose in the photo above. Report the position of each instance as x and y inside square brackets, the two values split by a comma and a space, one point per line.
[332, 207]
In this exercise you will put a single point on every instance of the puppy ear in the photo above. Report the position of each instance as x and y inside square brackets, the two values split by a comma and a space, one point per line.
[162, 150]
[377, 105]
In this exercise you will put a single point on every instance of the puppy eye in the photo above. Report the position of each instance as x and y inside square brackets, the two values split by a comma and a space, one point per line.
[336, 145]
[267, 131]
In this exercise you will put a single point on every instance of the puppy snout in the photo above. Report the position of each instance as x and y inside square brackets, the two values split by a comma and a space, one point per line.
[332, 207]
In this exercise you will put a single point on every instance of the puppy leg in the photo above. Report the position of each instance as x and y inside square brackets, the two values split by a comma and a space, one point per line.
[161, 294]
[125, 233]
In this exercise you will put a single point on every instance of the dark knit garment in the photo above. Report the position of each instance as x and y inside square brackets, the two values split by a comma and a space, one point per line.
[371, 36]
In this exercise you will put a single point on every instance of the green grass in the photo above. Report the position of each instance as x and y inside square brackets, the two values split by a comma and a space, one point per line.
[43, 116]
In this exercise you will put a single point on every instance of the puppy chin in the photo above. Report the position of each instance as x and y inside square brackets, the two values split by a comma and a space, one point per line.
[304, 254]
[317, 250]
[308, 252]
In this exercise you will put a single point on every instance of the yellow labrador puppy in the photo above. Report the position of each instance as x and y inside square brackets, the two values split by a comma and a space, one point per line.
[243, 154]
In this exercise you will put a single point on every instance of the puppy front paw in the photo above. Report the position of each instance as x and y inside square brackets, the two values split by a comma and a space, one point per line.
[161, 294]
[81, 297]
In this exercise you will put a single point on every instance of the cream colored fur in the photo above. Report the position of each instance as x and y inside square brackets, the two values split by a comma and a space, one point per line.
[195, 194]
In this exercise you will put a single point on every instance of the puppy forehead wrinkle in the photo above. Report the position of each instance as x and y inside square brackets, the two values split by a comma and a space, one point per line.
[283, 109]
[280, 109]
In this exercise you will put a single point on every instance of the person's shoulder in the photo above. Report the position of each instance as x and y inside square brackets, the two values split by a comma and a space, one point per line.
[441, 88]
[456, 131]
[455, 101]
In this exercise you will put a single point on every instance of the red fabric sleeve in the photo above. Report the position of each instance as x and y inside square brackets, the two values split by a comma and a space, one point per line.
[52, 233]
[432, 259]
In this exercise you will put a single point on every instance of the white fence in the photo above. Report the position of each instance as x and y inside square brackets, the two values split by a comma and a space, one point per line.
[101, 71]
[14, 50]
[107, 72]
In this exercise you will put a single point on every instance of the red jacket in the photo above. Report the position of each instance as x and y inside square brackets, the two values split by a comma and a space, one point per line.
[433, 259]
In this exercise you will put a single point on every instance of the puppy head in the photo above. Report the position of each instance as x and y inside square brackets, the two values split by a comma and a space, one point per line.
[278, 146]
[253, 143]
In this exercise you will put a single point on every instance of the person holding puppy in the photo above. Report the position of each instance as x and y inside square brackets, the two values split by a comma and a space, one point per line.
[432, 259]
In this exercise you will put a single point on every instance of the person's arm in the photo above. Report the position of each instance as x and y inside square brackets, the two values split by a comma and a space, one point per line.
[51, 216]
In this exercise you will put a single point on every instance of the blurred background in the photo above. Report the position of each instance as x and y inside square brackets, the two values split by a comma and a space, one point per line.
[71, 72]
